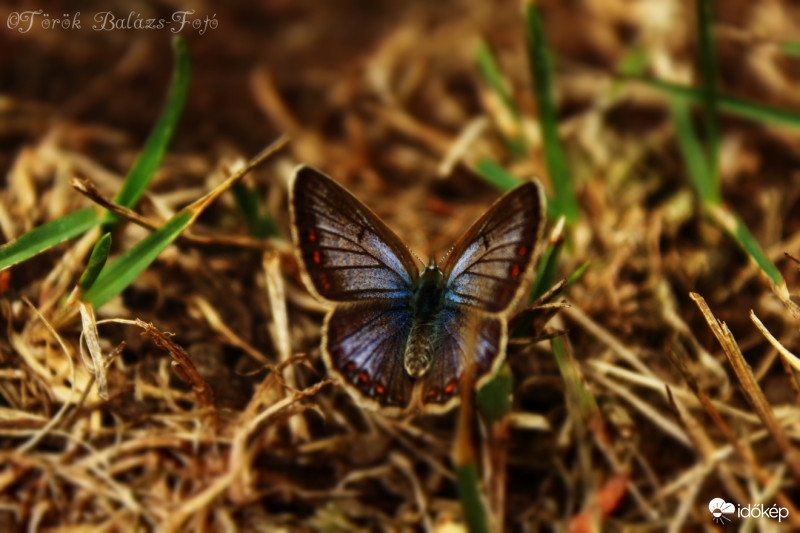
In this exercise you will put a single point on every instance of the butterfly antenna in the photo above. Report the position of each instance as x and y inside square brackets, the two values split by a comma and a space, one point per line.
[415, 255]
[447, 254]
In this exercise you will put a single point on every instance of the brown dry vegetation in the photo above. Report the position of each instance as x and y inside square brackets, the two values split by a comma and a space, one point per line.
[387, 98]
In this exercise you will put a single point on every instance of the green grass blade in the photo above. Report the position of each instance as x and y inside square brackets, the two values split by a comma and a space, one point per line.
[498, 82]
[634, 62]
[476, 515]
[546, 273]
[577, 394]
[730, 104]
[495, 174]
[759, 112]
[247, 201]
[120, 273]
[708, 62]
[708, 188]
[790, 48]
[144, 168]
[693, 155]
[564, 202]
[494, 399]
[96, 262]
[578, 274]
[39, 239]
[751, 246]
[74, 224]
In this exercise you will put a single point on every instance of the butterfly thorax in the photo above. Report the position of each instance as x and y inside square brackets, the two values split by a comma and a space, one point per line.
[426, 304]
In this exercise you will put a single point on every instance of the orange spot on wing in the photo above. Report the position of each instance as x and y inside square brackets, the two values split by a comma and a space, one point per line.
[522, 250]
[312, 235]
[380, 389]
[450, 387]
[316, 257]
[364, 377]
[514, 271]
[432, 392]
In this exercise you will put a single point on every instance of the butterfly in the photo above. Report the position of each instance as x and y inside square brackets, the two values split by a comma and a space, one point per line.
[399, 337]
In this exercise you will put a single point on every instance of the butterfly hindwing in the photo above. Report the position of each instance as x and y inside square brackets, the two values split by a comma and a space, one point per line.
[364, 343]
[349, 254]
[469, 337]
[487, 267]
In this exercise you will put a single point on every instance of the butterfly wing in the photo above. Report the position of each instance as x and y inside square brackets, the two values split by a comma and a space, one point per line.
[363, 344]
[347, 252]
[485, 273]
[487, 267]
[352, 258]
[470, 337]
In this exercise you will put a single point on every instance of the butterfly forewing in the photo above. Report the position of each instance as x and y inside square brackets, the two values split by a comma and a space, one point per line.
[348, 253]
[487, 266]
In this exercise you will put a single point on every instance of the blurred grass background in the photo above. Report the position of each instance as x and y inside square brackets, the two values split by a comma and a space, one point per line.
[665, 132]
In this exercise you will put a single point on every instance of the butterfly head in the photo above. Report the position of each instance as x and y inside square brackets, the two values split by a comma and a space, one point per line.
[428, 292]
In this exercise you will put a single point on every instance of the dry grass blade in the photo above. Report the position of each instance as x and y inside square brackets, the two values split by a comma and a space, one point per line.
[97, 365]
[750, 386]
[55, 420]
[279, 331]
[782, 292]
[606, 337]
[788, 357]
[697, 431]
[218, 324]
[88, 189]
[421, 499]
[630, 419]
[692, 496]
[181, 364]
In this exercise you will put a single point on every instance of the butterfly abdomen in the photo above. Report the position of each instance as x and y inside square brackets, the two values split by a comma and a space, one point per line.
[421, 348]
[425, 334]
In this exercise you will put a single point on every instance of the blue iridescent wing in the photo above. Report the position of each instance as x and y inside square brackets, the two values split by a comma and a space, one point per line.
[469, 337]
[363, 344]
[347, 252]
[487, 267]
